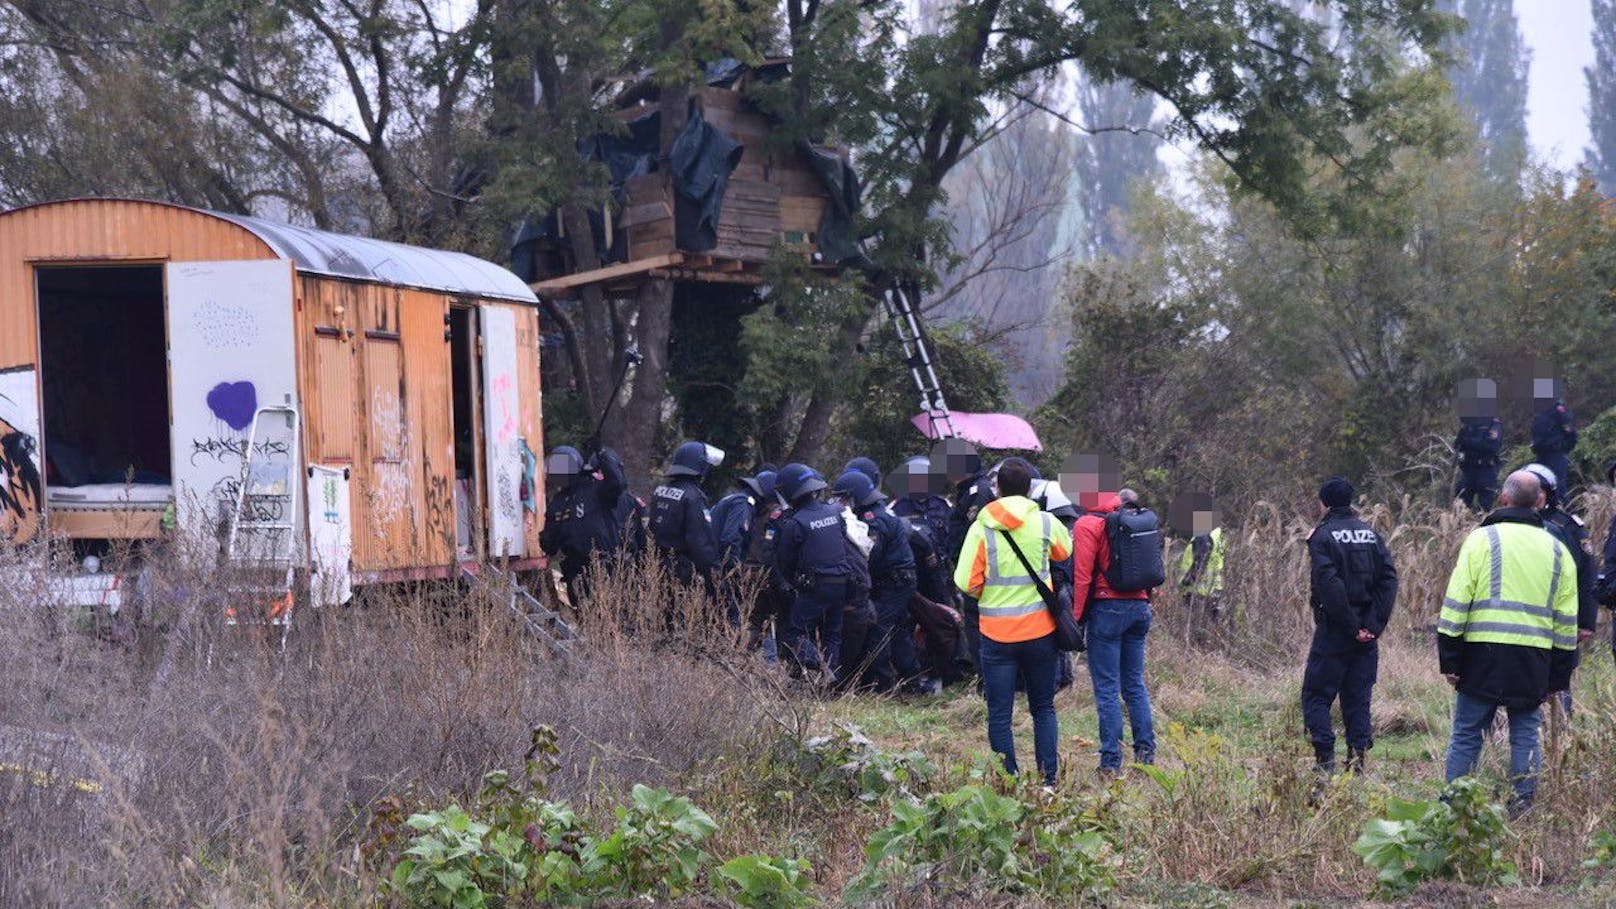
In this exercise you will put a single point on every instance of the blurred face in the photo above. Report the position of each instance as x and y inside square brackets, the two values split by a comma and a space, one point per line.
[1088, 476]
[560, 469]
[1478, 399]
[958, 459]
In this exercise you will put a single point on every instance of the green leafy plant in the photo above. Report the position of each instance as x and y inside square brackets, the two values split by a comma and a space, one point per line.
[655, 848]
[1603, 848]
[763, 882]
[456, 861]
[1460, 836]
[978, 839]
[847, 758]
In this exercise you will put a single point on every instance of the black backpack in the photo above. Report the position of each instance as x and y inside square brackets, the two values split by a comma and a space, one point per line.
[1134, 535]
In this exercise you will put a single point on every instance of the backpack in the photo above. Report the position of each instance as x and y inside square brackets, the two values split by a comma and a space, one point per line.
[1134, 535]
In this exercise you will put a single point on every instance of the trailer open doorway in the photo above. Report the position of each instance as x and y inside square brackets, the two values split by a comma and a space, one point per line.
[466, 379]
[103, 360]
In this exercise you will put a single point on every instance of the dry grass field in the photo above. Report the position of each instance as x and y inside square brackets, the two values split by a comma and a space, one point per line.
[167, 759]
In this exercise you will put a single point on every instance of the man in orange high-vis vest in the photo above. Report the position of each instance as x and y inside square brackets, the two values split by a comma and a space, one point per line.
[1018, 633]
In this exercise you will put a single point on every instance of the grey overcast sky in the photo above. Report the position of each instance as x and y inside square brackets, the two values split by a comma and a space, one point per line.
[1558, 32]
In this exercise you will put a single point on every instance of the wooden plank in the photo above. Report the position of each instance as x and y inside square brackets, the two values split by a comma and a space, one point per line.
[636, 215]
[106, 524]
[621, 270]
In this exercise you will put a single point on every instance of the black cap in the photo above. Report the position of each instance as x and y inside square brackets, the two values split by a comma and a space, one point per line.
[1336, 492]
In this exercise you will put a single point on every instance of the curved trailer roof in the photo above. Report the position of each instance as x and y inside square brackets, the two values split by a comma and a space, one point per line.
[321, 252]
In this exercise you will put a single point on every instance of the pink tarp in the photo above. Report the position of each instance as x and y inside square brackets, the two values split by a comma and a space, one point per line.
[989, 430]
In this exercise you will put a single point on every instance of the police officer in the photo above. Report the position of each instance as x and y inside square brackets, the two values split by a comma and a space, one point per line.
[1554, 435]
[1353, 588]
[739, 520]
[810, 552]
[914, 486]
[681, 531]
[893, 581]
[866, 466]
[1570, 530]
[578, 518]
[1605, 584]
[1480, 440]
[972, 493]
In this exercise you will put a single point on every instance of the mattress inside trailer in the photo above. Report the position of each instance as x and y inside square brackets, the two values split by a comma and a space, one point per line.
[110, 496]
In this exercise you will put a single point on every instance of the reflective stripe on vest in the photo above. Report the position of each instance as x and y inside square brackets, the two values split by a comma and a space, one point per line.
[1026, 616]
[1500, 619]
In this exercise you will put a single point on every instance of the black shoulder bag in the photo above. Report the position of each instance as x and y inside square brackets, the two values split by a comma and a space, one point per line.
[1068, 633]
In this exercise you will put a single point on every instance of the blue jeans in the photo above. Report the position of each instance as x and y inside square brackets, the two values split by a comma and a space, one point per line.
[1472, 720]
[816, 613]
[1037, 662]
[1117, 630]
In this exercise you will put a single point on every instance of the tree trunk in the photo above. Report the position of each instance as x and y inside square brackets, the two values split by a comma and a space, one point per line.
[633, 428]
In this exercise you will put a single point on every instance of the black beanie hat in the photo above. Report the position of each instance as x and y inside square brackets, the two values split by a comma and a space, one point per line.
[1336, 492]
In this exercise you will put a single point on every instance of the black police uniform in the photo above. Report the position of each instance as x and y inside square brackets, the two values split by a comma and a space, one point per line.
[1479, 444]
[579, 521]
[810, 553]
[1605, 585]
[892, 582]
[930, 510]
[1554, 435]
[681, 532]
[970, 497]
[1354, 586]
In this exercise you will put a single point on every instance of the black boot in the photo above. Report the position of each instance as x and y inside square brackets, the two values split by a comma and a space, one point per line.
[1357, 759]
[1324, 757]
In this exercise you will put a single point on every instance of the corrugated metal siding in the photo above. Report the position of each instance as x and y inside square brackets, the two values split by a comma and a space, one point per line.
[100, 231]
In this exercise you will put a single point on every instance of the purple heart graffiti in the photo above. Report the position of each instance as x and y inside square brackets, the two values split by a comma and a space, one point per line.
[234, 403]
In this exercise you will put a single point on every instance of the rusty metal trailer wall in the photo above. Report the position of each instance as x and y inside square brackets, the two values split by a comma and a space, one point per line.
[374, 365]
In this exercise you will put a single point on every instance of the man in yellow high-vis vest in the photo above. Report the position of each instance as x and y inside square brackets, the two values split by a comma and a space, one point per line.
[1507, 636]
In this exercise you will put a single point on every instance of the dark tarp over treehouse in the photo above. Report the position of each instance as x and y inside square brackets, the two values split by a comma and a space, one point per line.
[729, 193]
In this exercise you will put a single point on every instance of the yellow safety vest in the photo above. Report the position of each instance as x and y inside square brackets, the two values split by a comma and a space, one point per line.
[1210, 583]
[1513, 584]
[1008, 600]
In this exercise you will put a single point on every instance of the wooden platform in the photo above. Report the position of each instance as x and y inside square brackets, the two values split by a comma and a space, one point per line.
[677, 266]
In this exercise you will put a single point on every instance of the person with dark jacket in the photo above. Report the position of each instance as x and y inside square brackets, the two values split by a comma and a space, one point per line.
[739, 521]
[892, 582]
[1507, 634]
[579, 516]
[972, 493]
[1573, 533]
[810, 553]
[916, 499]
[1478, 446]
[1554, 435]
[1118, 622]
[1353, 589]
[681, 531]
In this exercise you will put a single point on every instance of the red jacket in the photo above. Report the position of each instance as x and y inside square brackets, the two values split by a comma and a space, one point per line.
[1091, 555]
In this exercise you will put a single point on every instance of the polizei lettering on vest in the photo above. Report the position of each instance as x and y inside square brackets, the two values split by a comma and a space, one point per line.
[669, 492]
[1354, 536]
[822, 523]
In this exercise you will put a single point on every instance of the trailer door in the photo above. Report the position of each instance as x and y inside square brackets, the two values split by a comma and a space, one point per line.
[502, 432]
[230, 351]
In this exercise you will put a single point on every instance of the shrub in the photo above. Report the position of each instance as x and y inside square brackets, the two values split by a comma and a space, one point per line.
[974, 839]
[655, 848]
[762, 882]
[1460, 836]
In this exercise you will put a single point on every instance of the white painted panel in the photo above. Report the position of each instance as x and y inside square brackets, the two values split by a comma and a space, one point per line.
[502, 435]
[230, 351]
[330, 535]
[22, 486]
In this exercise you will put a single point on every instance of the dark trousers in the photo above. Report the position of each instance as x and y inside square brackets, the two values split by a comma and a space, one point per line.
[858, 643]
[971, 615]
[1347, 672]
[812, 639]
[894, 661]
[1478, 487]
[1036, 663]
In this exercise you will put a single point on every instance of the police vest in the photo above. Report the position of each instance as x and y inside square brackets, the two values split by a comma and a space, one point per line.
[1513, 584]
[822, 551]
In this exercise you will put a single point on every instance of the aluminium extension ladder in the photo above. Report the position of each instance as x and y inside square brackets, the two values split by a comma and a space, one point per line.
[261, 551]
[900, 305]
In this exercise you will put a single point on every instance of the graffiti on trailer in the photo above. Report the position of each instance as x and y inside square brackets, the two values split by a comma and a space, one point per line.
[255, 507]
[219, 448]
[21, 487]
[234, 403]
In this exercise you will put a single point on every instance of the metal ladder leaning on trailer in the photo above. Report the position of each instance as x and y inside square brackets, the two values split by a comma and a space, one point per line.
[262, 546]
[899, 302]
